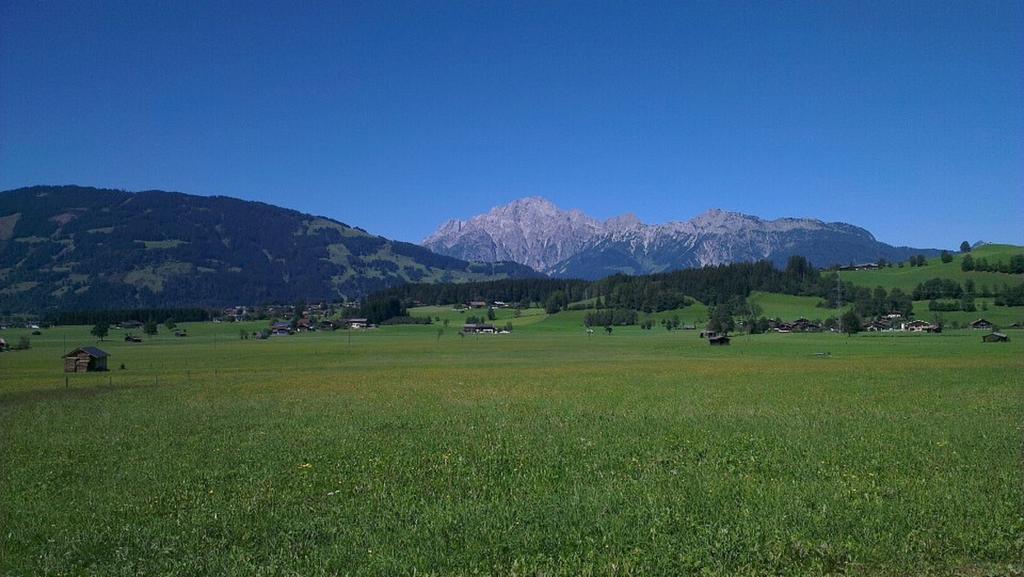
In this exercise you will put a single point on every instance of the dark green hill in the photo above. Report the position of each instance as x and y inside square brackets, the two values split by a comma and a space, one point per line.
[79, 247]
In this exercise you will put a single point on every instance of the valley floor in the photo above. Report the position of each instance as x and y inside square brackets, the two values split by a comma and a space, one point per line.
[399, 451]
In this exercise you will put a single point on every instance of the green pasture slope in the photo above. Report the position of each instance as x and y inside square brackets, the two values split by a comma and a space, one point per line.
[543, 452]
[908, 277]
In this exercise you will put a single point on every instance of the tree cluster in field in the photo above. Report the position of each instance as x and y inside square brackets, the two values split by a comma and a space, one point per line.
[950, 295]
[610, 317]
[668, 323]
[381, 309]
[1014, 266]
[725, 287]
[113, 317]
[1011, 296]
[648, 293]
[407, 320]
[918, 260]
[938, 288]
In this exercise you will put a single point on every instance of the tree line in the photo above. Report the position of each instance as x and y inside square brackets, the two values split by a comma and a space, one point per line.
[113, 317]
[722, 287]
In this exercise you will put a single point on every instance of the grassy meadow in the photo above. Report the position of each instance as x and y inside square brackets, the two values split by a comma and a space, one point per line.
[907, 277]
[543, 452]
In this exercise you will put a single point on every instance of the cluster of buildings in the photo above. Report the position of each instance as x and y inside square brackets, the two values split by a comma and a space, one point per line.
[248, 313]
[483, 304]
[308, 325]
[483, 328]
[800, 325]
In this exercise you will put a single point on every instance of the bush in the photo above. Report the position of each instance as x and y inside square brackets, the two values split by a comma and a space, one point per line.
[407, 320]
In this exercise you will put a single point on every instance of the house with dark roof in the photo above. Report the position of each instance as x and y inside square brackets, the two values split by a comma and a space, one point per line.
[981, 325]
[995, 337]
[920, 326]
[85, 360]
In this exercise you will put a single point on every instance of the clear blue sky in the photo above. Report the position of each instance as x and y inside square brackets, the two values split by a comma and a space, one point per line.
[906, 118]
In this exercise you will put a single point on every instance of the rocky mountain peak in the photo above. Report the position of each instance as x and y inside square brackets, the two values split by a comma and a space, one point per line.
[536, 232]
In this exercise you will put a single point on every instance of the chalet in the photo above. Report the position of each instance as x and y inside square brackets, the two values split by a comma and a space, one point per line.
[283, 329]
[327, 326]
[477, 304]
[85, 360]
[130, 325]
[720, 340]
[878, 325]
[783, 328]
[304, 325]
[803, 325]
[861, 266]
[981, 325]
[920, 326]
[995, 337]
[478, 328]
[356, 323]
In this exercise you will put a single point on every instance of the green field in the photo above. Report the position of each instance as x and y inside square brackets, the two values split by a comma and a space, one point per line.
[790, 307]
[908, 277]
[543, 452]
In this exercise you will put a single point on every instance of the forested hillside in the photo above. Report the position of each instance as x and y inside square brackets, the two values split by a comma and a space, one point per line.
[71, 247]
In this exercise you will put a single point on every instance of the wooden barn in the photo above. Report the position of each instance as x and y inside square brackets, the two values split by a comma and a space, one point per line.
[85, 360]
[995, 338]
[982, 325]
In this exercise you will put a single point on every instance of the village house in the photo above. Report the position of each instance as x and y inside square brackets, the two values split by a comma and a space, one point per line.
[995, 337]
[920, 326]
[981, 325]
[478, 328]
[878, 325]
[281, 329]
[802, 325]
[356, 323]
[327, 325]
[861, 266]
[477, 304]
[85, 360]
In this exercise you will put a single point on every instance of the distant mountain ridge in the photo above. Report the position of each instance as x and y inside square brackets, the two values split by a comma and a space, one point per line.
[91, 248]
[535, 232]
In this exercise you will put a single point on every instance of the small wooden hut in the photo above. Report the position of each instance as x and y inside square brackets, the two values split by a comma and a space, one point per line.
[995, 338]
[85, 360]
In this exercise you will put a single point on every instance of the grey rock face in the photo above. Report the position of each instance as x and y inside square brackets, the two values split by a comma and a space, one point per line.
[535, 232]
